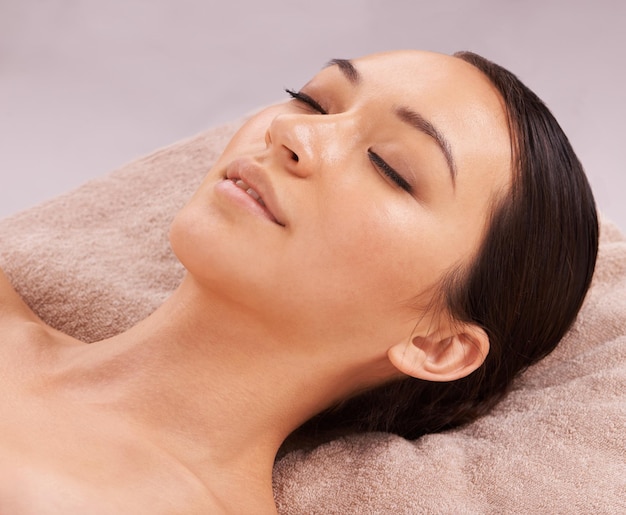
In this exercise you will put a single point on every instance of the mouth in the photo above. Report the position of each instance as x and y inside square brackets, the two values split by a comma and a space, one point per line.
[250, 178]
[249, 190]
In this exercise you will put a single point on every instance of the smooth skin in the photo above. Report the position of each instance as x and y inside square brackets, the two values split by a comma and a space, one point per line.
[286, 308]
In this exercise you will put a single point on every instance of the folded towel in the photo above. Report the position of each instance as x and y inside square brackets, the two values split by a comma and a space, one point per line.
[95, 261]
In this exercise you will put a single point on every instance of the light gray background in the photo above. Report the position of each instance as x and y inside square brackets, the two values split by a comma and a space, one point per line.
[86, 85]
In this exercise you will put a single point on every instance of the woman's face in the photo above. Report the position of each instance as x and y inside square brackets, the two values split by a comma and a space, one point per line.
[375, 179]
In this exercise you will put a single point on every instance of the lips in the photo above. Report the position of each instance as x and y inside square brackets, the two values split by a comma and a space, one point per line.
[250, 177]
[250, 191]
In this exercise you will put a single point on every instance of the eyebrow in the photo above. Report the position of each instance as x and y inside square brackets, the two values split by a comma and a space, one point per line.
[347, 68]
[420, 123]
[407, 115]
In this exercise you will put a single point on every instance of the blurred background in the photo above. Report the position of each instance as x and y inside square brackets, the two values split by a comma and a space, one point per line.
[87, 85]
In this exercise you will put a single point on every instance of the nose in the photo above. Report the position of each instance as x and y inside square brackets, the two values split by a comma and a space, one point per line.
[295, 141]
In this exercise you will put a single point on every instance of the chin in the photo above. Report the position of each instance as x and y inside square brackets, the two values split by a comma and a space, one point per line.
[215, 255]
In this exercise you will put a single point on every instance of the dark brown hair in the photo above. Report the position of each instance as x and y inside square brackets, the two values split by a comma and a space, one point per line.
[524, 288]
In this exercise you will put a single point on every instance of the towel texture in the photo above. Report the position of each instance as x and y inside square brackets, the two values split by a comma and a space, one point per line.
[95, 261]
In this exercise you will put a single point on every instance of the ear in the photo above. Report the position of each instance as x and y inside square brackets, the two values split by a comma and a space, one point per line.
[442, 357]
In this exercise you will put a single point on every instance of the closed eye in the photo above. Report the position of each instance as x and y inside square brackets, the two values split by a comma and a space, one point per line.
[389, 172]
[377, 161]
[306, 99]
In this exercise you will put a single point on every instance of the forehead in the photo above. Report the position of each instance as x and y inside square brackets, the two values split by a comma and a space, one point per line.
[411, 59]
[433, 82]
[457, 98]
[443, 86]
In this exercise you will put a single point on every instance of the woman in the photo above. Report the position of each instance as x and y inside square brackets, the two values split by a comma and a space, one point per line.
[386, 250]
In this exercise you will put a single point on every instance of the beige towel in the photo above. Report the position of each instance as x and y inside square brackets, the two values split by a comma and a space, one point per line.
[96, 260]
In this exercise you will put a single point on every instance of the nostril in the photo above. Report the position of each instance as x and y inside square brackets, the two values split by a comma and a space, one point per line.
[294, 156]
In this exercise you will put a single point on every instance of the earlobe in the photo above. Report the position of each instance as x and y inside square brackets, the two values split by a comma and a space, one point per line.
[442, 357]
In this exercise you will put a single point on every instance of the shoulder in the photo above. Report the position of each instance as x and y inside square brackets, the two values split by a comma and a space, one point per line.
[22, 332]
[6, 288]
[120, 484]
[11, 304]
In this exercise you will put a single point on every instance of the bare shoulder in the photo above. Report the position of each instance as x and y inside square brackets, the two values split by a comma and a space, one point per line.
[22, 332]
[10, 301]
[35, 486]
[41, 493]
[5, 286]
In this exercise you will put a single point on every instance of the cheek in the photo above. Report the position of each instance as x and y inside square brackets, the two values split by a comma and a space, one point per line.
[380, 256]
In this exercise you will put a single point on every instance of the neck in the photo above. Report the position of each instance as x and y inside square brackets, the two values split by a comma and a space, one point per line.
[212, 383]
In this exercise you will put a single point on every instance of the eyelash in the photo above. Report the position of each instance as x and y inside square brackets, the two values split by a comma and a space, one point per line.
[376, 160]
[380, 163]
[306, 99]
